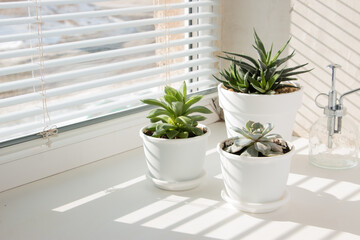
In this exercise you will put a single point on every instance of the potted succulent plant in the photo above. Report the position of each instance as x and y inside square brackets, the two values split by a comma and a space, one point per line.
[174, 143]
[255, 167]
[260, 89]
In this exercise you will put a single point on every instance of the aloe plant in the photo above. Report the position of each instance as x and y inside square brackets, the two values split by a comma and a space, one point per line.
[255, 141]
[176, 116]
[262, 75]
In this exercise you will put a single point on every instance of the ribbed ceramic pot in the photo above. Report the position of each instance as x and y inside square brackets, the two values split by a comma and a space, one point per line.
[255, 184]
[175, 164]
[279, 109]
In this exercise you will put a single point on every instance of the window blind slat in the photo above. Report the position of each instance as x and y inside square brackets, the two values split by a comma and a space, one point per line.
[57, 106]
[97, 83]
[101, 13]
[100, 69]
[103, 41]
[103, 27]
[25, 4]
[101, 55]
[35, 127]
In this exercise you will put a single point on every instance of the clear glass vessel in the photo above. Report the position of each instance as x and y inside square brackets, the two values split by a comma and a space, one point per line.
[339, 151]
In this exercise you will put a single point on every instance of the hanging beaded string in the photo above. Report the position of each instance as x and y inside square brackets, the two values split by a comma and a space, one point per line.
[48, 130]
[30, 29]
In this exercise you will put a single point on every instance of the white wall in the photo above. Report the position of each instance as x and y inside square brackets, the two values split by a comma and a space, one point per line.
[325, 32]
[322, 32]
[270, 18]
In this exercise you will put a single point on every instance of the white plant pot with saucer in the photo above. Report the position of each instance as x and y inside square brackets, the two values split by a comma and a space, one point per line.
[255, 184]
[175, 164]
[279, 109]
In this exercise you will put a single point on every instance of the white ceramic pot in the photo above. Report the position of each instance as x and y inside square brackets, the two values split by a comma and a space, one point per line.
[255, 184]
[279, 109]
[175, 164]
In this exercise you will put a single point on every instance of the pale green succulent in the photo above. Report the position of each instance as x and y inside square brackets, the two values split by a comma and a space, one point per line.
[175, 118]
[255, 141]
[261, 76]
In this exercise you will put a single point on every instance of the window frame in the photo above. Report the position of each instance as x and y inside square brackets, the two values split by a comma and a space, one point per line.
[112, 116]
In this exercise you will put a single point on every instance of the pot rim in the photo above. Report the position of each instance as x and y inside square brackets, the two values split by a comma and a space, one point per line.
[235, 157]
[154, 139]
[301, 88]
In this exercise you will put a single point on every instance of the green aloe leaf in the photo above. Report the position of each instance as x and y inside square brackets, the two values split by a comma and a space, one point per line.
[296, 73]
[259, 44]
[262, 55]
[282, 60]
[269, 54]
[252, 60]
[286, 79]
[286, 70]
[273, 80]
[279, 52]
[242, 64]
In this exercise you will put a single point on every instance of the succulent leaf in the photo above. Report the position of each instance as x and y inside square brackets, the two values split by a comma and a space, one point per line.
[157, 112]
[183, 134]
[262, 147]
[178, 107]
[172, 133]
[197, 118]
[183, 89]
[241, 142]
[199, 109]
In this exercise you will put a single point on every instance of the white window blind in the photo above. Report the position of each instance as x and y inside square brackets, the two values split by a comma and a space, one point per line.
[65, 62]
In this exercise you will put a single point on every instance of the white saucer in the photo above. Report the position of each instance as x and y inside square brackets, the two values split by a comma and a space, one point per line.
[256, 207]
[176, 186]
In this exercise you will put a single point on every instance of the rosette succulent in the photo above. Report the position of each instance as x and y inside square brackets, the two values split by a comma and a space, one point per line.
[263, 75]
[255, 141]
[176, 117]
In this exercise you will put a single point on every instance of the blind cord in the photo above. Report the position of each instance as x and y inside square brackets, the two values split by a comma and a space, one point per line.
[167, 63]
[48, 130]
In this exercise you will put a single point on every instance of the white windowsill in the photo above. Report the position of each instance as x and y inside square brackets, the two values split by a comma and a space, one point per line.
[112, 199]
[34, 160]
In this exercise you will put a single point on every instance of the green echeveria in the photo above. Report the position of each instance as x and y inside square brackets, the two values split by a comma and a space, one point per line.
[176, 116]
[255, 141]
